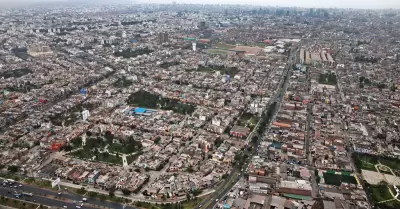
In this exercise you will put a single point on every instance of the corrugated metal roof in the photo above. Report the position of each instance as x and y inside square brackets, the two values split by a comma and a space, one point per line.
[300, 197]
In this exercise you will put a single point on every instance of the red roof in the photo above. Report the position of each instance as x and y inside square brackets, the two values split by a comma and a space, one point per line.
[268, 41]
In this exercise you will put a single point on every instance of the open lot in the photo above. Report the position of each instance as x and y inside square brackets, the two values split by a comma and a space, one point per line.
[224, 46]
[372, 177]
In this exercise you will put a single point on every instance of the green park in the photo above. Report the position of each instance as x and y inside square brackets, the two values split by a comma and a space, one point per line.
[148, 100]
[382, 193]
[105, 148]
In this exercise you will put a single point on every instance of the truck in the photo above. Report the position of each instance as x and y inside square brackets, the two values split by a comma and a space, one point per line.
[27, 194]
[11, 181]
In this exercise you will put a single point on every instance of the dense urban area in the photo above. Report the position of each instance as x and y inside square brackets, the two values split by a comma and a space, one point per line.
[199, 106]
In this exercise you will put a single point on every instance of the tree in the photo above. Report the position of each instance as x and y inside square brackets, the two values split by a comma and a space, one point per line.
[196, 192]
[218, 142]
[67, 148]
[77, 142]
[36, 143]
[111, 192]
[157, 140]
[254, 139]
[393, 88]
[92, 194]
[103, 197]
[190, 169]
[381, 86]
[238, 156]
[13, 168]
[187, 196]
[361, 79]
[126, 192]
[225, 176]
[81, 191]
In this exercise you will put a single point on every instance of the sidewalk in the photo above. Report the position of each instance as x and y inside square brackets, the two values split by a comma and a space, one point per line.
[135, 198]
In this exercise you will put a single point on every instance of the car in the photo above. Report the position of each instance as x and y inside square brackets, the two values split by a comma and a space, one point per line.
[20, 185]
[74, 201]
[59, 193]
[65, 206]
[81, 204]
[78, 206]
[81, 201]
[216, 200]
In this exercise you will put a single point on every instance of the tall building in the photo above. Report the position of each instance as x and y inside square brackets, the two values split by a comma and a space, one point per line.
[162, 37]
[202, 25]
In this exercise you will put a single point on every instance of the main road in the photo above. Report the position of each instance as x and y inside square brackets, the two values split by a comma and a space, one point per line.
[52, 198]
[236, 174]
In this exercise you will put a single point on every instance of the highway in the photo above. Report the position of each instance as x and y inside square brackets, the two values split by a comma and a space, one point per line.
[236, 174]
[51, 198]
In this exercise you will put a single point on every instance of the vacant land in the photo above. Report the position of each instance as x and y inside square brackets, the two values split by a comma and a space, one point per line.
[217, 51]
[224, 46]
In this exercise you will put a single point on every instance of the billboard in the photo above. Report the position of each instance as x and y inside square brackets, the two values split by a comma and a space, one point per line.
[55, 182]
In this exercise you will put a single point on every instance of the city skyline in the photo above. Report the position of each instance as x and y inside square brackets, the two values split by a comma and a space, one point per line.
[358, 4]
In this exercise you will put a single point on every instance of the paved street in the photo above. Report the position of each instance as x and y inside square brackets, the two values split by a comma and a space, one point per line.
[236, 174]
[68, 198]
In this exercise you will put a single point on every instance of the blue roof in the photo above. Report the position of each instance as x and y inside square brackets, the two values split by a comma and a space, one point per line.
[140, 110]
[277, 145]
[227, 206]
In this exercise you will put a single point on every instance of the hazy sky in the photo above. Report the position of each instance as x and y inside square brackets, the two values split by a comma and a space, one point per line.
[370, 4]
